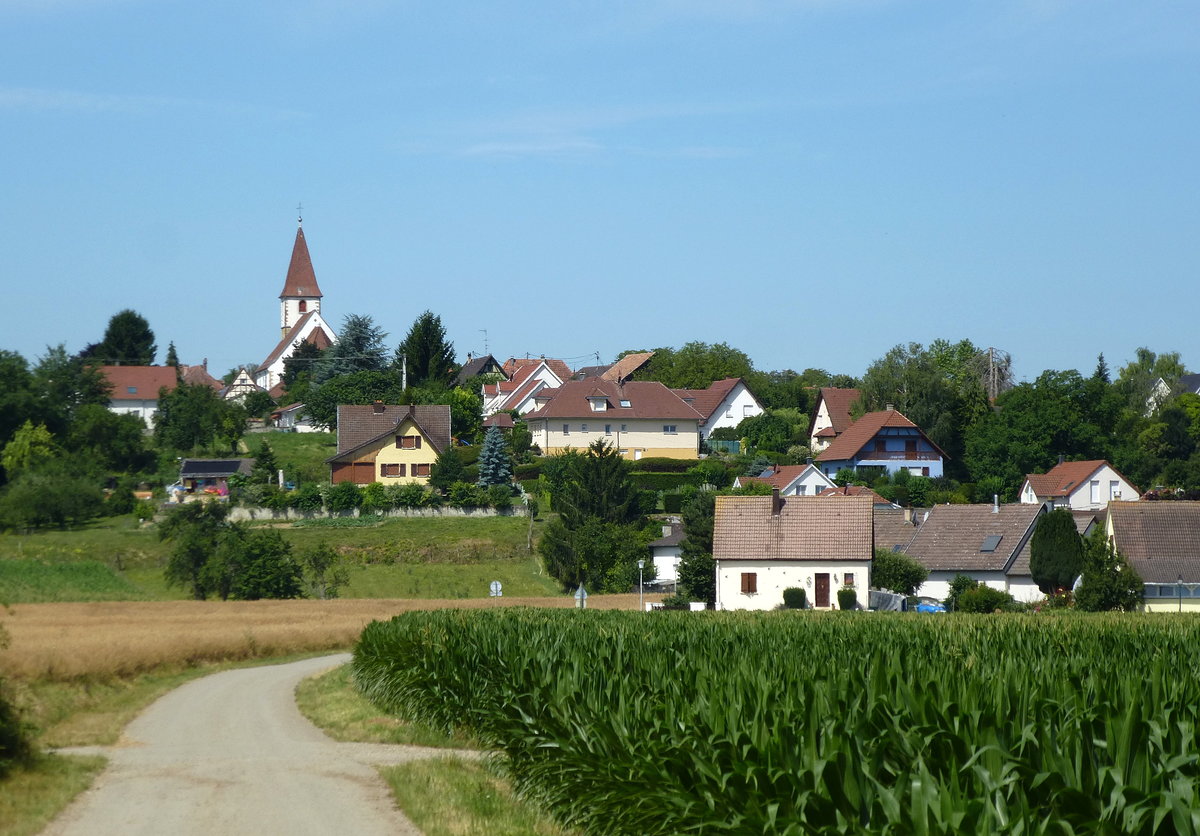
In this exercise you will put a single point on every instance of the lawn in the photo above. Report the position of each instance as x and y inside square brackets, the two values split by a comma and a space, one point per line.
[118, 559]
[301, 455]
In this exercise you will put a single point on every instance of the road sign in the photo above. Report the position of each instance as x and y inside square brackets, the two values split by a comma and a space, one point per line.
[496, 589]
[581, 598]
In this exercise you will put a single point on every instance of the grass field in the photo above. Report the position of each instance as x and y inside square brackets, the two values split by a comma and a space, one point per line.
[301, 455]
[419, 557]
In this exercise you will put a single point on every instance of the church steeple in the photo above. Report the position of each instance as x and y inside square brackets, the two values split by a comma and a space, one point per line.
[301, 294]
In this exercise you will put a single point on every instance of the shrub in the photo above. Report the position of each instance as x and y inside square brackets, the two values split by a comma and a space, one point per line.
[664, 481]
[678, 601]
[662, 464]
[407, 495]
[795, 598]
[527, 472]
[375, 498]
[344, 496]
[672, 503]
[983, 599]
[467, 495]
[120, 501]
[897, 572]
[499, 497]
[307, 498]
[15, 746]
[847, 598]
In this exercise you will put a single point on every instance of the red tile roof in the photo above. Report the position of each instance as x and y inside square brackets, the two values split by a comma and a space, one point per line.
[855, 490]
[1160, 539]
[199, 376]
[646, 398]
[318, 337]
[626, 366]
[837, 404]
[301, 279]
[512, 364]
[145, 381]
[847, 445]
[503, 420]
[359, 425]
[706, 401]
[1064, 479]
[806, 528]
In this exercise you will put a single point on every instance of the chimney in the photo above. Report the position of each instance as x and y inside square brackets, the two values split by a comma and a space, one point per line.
[808, 459]
[776, 502]
[377, 407]
[995, 503]
[205, 364]
[1060, 458]
[469, 357]
[890, 407]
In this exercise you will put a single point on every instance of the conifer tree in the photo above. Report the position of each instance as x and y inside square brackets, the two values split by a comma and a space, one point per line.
[446, 470]
[172, 355]
[1055, 552]
[426, 352]
[495, 466]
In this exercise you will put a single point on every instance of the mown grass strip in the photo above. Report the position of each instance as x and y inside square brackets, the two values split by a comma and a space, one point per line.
[455, 797]
[30, 797]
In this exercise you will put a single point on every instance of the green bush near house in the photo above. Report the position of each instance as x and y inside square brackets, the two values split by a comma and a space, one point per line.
[663, 481]
[795, 598]
[847, 598]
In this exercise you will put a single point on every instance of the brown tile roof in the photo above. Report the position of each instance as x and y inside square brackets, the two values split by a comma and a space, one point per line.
[894, 527]
[318, 337]
[706, 401]
[199, 376]
[1065, 478]
[780, 476]
[503, 420]
[855, 490]
[847, 445]
[359, 425]
[951, 538]
[837, 404]
[806, 528]
[1160, 539]
[626, 366]
[676, 536]
[647, 399]
[513, 364]
[145, 381]
[475, 367]
[301, 280]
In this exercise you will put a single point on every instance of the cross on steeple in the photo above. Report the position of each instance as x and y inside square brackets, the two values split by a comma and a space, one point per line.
[300, 213]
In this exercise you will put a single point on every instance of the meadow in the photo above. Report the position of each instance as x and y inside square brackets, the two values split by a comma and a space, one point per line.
[815, 723]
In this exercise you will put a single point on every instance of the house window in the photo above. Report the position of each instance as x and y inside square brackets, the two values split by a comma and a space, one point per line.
[608, 429]
[747, 410]
[729, 411]
[625, 403]
[1114, 490]
[421, 469]
[800, 489]
[880, 445]
[669, 429]
[849, 579]
[1094, 491]
[566, 429]
[597, 405]
[131, 390]
[924, 471]
[749, 583]
[408, 442]
[622, 428]
[910, 446]
[583, 428]
[391, 470]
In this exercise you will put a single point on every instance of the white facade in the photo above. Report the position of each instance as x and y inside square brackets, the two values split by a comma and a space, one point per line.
[666, 564]
[809, 482]
[268, 376]
[293, 419]
[739, 404]
[291, 308]
[771, 577]
[521, 398]
[1020, 587]
[822, 421]
[1092, 494]
[634, 438]
[144, 409]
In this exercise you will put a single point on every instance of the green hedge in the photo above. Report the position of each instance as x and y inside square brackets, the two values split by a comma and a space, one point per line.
[661, 464]
[527, 472]
[663, 481]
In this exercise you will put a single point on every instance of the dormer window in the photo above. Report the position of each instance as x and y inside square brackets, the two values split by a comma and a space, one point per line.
[598, 404]
[625, 403]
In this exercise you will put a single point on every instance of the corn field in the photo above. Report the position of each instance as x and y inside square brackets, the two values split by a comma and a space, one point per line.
[785, 723]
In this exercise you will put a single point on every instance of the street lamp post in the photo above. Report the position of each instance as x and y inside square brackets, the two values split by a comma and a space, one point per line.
[1179, 589]
[641, 565]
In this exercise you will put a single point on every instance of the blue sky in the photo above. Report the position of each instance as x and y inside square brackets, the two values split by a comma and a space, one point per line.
[812, 181]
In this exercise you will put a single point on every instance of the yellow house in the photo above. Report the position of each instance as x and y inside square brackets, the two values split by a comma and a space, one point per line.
[387, 443]
[640, 418]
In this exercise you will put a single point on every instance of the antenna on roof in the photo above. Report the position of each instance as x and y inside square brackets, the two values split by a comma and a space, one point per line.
[485, 341]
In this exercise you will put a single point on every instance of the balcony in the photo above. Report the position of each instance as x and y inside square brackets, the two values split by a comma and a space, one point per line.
[898, 455]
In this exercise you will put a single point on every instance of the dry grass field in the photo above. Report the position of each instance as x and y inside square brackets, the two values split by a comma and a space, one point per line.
[66, 641]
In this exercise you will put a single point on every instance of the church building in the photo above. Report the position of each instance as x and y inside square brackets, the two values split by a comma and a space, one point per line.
[299, 316]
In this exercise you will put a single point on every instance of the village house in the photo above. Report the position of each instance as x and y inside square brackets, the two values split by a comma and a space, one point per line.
[388, 443]
[666, 552]
[987, 543]
[639, 418]
[1080, 486]
[885, 440]
[763, 545]
[831, 416]
[1161, 541]
[525, 379]
[725, 403]
[135, 389]
[790, 479]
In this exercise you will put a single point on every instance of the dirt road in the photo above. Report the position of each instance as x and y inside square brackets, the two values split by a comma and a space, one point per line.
[231, 754]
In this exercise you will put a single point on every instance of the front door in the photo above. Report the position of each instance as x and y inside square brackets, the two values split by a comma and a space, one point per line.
[822, 590]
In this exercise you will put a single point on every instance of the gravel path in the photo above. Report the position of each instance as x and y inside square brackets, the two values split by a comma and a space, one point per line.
[231, 754]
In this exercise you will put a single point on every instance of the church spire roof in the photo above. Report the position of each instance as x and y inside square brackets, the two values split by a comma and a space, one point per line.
[301, 280]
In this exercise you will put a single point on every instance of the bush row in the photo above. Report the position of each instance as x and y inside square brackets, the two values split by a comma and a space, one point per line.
[374, 497]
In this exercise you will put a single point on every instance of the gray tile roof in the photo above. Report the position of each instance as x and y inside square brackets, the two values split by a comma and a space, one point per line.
[214, 468]
[1161, 540]
[806, 528]
[894, 527]
[951, 538]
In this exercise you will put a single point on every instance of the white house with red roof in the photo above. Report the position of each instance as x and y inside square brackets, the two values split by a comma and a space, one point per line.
[526, 378]
[299, 315]
[1079, 486]
[135, 389]
[831, 416]
[883, 439]
[791, 480]
[723, 404]
[640, 418]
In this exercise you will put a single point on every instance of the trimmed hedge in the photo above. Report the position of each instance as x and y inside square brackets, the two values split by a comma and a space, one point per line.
[661, 464]
[527, 472]
[664, 481]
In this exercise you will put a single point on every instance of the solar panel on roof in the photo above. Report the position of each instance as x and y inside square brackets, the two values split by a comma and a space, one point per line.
[896, 548]
[990, 542]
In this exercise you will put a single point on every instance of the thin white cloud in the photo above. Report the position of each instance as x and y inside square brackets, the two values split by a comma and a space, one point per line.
[75, 101]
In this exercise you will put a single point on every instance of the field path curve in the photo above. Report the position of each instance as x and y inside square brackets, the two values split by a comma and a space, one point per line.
[231, 754]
